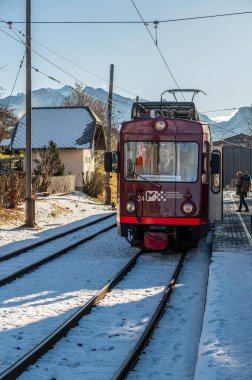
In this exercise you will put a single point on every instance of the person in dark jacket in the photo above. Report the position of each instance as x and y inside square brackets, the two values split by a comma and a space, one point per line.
[241, 190]
[247, 181]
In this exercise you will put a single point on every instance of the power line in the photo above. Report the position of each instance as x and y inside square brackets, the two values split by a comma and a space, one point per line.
[73, 63]
[155, 42]
[208, 16]
[66, 59]
[46, 59]
[20, 67]
[50, 77]
[224, 109]
[134, 22]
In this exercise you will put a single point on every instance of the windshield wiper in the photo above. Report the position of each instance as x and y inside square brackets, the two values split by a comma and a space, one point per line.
[145, 179]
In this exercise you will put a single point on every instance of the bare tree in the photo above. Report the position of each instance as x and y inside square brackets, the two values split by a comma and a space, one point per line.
[80, 98]
[7, 122]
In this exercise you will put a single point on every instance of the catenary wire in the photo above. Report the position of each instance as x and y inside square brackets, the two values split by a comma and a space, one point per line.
[76, 79]
[10, 26]
[13, 87]
[73, 63]
[20, 40]
[136, 22]
[155, 43]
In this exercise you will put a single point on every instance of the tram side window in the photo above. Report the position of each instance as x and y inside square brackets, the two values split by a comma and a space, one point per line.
[205, 163]
[129, 156]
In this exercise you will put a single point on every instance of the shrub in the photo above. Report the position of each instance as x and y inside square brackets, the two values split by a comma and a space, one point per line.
[93, 183]
[12, 189]
[48, 164]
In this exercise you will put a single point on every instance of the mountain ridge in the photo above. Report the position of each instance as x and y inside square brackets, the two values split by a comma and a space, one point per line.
[49, 97]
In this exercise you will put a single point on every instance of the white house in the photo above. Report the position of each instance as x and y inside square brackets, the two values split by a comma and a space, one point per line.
[77, 132]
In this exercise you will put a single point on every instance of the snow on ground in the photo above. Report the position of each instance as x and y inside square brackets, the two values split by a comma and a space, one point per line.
[103, 338]
[36, 304]
[225, 348]
[56, 212]
[225, 351]
[172, 352]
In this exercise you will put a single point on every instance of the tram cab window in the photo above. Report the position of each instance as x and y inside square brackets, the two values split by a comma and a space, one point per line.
[187, 163]
[165, 161]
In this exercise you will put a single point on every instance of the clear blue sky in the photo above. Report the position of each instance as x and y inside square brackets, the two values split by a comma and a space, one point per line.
[213, 54]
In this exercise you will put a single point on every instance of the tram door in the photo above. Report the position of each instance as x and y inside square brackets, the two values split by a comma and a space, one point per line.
[216, 188]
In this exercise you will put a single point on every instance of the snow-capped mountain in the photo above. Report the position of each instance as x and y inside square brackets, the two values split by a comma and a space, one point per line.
[48, 97]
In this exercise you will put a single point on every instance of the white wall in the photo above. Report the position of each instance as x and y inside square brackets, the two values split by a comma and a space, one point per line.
[76, 162]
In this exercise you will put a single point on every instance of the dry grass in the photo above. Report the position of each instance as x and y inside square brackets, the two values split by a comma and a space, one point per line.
[7, 216]
[57, 210]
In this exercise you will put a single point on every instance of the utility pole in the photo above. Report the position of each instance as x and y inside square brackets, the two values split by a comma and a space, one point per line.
[109, 124]
[30, 203]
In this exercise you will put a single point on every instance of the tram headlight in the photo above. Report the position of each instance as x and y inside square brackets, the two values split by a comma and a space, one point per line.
[160, 125]
[130, 206]
[188, 208]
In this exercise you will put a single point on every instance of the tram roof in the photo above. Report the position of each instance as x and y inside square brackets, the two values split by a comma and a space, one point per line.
[176, 110]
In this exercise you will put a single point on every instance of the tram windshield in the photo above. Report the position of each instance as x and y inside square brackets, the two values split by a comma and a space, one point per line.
[165, 161]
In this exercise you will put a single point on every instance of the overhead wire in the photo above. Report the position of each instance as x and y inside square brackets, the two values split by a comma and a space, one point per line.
[46, 75]
[10, 26]
[18, 39]
[135, 21]
[224, 109]
[13, 87]
[73, 63]
[155, 43]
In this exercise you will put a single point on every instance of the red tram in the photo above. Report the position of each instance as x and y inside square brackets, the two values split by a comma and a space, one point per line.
[166, 171]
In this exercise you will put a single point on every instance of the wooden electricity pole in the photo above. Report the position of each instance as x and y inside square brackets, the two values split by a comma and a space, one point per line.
[30, 204]
[109, 125]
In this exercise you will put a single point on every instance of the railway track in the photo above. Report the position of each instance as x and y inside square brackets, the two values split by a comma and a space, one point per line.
[148, 331]
[21, 365]
[19, 251]
[27, 259]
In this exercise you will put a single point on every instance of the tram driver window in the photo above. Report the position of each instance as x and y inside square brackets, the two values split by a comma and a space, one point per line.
[166, 158]
[166, 161]
[187, 164]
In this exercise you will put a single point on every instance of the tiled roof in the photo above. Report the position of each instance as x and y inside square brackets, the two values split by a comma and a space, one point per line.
[68, 127]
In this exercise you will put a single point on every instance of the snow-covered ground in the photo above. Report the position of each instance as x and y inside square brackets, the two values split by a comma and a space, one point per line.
[187, 345]
[53, 213]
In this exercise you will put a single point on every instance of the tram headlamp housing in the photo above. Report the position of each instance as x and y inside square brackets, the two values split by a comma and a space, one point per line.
[188, 208]
[160, 125]
[130, 206]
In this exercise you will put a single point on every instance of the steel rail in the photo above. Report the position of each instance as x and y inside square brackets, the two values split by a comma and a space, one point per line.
[33, 355]
[145, 337]
[33, 266]
[47, 240]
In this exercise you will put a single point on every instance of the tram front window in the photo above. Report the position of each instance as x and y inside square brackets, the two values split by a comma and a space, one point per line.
[165, 161]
